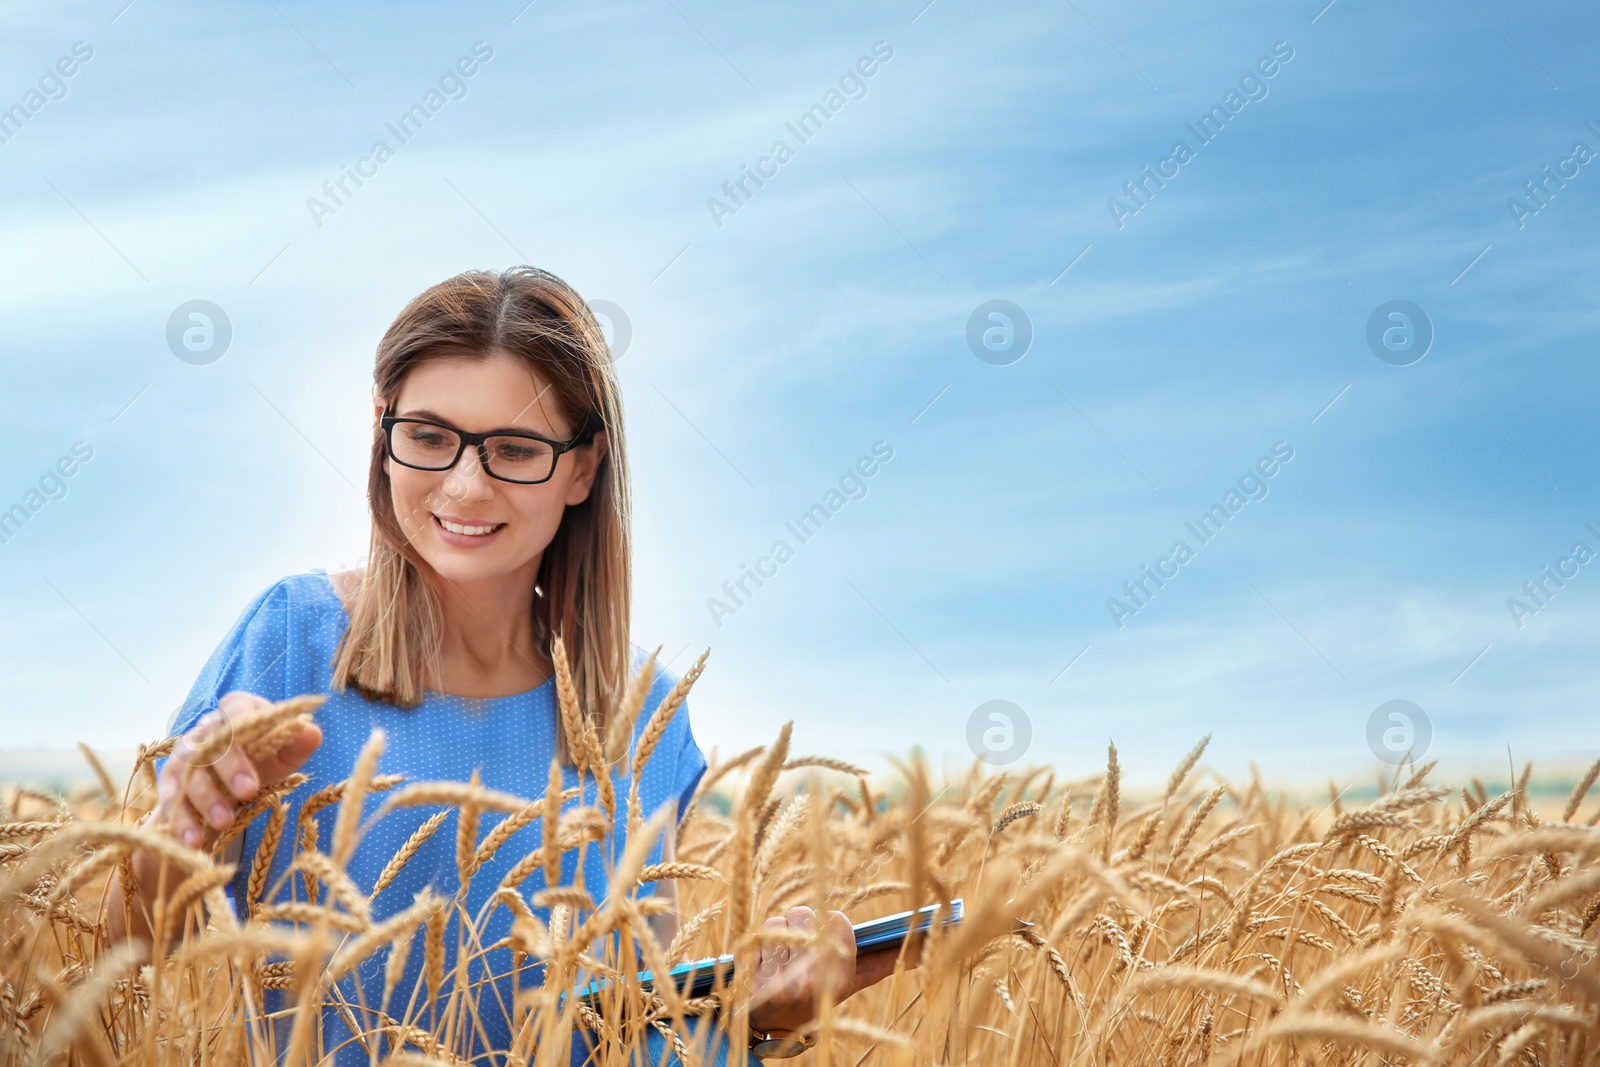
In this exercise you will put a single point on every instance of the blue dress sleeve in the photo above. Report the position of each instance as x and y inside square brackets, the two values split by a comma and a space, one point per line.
[691, 765]
[251, 658]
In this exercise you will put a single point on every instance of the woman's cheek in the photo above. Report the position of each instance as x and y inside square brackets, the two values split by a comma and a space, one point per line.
[540, 527]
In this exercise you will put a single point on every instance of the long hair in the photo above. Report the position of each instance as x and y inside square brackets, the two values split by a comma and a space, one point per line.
[583, 591]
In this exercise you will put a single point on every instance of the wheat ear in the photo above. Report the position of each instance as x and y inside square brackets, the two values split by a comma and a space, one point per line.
[1107, 801]
[572, 718]
[619, 730]
[467, 833]
[1580, 791]
[743, 838]
[265, 850]
[1182, 772]
[654, 729]
[397, 862]
[355, 796]
[502, 833]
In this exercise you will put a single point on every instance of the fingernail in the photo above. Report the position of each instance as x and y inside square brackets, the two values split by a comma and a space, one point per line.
[219, 815]
[191, 837]
[241, 782]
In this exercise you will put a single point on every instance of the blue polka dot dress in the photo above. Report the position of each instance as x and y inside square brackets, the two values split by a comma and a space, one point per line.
[283, 646]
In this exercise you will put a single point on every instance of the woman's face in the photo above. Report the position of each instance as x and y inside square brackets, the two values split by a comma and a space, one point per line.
[468, 526]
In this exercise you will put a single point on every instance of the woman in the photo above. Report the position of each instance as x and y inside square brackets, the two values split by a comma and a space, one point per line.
[499, 493]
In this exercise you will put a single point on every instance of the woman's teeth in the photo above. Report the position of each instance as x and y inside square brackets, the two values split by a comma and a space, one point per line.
[470, 531]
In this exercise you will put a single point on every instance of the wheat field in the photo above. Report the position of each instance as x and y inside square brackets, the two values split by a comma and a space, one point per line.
[1207, 923]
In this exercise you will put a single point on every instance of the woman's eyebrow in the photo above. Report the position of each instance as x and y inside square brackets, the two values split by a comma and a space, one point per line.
[434, 416]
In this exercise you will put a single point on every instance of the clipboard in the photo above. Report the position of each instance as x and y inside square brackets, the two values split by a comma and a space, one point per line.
[699, 977]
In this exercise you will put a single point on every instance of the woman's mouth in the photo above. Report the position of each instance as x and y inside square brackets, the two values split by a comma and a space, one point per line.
[467, 533]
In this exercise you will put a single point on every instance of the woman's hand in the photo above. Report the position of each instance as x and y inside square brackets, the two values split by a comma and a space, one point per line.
[789, 982]
[199, 802]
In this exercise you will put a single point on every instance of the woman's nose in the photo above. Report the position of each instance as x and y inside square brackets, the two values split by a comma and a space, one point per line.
[467, 480]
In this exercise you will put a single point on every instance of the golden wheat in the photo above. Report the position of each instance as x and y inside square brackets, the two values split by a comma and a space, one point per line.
[1205, 923]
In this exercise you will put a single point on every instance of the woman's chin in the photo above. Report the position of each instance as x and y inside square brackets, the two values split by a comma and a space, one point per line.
[469, 566]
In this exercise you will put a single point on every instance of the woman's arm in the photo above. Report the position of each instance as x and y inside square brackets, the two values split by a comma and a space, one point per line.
[252, 656]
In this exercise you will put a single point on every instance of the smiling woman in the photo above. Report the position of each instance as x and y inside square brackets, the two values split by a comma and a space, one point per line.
[500, 544]
[446, 379]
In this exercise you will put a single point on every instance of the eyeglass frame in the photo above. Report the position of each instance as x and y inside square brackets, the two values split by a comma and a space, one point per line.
[464, 438]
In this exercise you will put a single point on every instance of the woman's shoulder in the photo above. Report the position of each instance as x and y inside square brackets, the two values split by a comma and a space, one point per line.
[293, 609]
[278, 646]
[312, 592]
[344, 584]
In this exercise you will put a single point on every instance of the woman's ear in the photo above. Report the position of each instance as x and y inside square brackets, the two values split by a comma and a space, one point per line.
[586, 465]
[379, 406]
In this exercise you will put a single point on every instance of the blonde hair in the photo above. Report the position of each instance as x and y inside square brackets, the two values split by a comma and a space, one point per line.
[583, 593]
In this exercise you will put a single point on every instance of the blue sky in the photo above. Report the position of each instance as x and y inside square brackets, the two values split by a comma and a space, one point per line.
[830, 311]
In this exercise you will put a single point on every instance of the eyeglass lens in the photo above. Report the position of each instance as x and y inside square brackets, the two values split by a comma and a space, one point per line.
[435, 448]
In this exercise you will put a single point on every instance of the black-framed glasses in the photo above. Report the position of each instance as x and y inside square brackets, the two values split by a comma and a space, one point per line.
[523, 458]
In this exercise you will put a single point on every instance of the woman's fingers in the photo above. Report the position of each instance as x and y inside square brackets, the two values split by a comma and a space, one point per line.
[267, 770]
[291, 757]
[234, 768]
[197, 802]
[767, 960]
[836, 957]
[186, 825]
[173, 811]
[193, 800]
[843, 935]
[238, 773]
[841, 930]
[803, 961]
[236, 702]
[834, 953]
[792, 981]
[201, 790]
